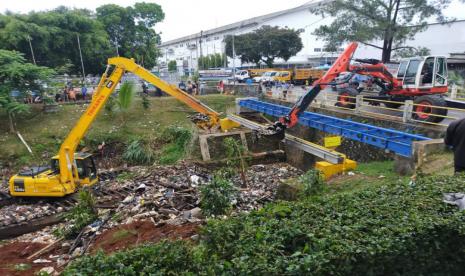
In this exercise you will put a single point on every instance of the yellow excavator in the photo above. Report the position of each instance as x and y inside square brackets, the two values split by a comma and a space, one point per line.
[70, 170]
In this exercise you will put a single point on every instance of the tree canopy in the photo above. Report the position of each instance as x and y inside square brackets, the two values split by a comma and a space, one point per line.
[17, 74]
[131, 30]
[367, 21]
[53, 36]
[265, 44]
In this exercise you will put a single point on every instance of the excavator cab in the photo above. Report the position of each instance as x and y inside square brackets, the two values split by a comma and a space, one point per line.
[85, 167]
[45, 180]
[423, 72]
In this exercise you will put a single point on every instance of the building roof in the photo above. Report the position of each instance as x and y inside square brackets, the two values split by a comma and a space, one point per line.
[245, 23]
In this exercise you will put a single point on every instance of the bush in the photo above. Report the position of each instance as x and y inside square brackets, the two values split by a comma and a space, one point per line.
[216, 196]
[83, 214]
[177, 139]
[396, 229]
[164, 258]
[138, 153]
[312, 182]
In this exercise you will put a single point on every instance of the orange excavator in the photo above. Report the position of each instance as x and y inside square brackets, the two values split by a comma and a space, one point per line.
[421, 79]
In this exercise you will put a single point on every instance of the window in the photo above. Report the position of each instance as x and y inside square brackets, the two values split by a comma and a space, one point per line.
[441, 71]
[402, 69]
[317, 50]
[411, 72]
[427, 72]
[217, 37]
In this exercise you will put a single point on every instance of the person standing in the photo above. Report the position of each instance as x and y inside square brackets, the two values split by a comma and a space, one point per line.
[221, 87]
[455, 138]
[84, 92]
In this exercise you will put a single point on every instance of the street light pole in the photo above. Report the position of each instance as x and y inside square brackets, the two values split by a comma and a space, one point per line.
[82, 62]
[234, 60]
[32, 51]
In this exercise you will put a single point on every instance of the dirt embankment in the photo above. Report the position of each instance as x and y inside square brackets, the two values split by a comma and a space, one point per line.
[140, 232]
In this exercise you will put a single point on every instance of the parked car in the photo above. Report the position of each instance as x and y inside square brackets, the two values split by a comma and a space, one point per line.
[266, 77]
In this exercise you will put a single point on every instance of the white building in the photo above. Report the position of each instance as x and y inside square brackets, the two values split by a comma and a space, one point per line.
[440, 39]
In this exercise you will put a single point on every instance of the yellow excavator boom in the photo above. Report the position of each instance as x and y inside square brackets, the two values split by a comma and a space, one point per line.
[63, 180]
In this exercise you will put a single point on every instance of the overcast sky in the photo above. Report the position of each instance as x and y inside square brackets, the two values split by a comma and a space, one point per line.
[184, 17]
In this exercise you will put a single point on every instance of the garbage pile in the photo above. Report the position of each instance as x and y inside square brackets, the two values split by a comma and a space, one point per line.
[171, 194]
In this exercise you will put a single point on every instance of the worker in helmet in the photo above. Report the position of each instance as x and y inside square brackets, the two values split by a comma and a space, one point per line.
[455, 138]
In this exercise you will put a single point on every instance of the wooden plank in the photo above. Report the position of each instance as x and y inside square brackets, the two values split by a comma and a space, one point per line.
[204, 148]
[244, 142]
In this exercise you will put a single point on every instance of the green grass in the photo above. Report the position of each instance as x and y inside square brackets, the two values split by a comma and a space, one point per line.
[45, 132]
[367, 175]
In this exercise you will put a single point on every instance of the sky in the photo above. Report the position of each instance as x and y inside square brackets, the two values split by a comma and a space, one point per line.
[185, 17]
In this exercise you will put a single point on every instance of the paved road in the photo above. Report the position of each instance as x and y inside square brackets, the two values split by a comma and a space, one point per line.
[330, 97]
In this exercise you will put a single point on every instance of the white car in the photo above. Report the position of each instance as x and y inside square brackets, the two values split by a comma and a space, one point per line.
[267, 76]
[242, 75]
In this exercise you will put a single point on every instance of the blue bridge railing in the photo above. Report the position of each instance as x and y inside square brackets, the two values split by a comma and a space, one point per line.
[388, 139]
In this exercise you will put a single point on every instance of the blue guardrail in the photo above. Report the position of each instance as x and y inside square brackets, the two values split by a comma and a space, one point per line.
[388, 139]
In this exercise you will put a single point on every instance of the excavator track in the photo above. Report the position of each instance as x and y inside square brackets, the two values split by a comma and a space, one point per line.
[52, 209]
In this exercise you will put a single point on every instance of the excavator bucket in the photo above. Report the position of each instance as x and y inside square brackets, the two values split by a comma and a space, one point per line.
[275, 131]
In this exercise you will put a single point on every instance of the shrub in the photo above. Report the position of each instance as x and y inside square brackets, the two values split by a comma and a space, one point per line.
[138, 153]
[177, 139]
[145, 102]
[125, 95]
[236, 161]
[80, 216]
[164, 258]
[217, 195]
[312, 182]
[396, 229]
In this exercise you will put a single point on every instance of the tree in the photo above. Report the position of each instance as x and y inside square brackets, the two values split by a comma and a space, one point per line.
[366, 21]
[172, 66]
[265, 45]
[53, 36]
[131, 30]
[17, 74]
[412, 52]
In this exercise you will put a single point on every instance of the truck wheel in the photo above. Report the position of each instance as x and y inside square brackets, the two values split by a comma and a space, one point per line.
[346, 98]
[425, 107]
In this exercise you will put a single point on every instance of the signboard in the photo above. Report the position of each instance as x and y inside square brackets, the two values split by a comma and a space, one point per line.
[332, 141]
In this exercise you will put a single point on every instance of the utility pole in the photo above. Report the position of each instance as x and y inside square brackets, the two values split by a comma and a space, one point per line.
[201, 53]
[32, 51]
[82, 62]
[234, 60]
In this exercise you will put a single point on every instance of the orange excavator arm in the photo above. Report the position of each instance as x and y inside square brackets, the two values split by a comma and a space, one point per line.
[340, 65]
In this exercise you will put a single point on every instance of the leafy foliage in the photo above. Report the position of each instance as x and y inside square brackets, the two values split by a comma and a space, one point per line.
[395, 229]
[111, 30]
[312, 182]
[164, 258]
[178, 139]
[217, 195]
[131, 30]
[17, 74]
[411, 52]
[80, 216]
[211, 61]
[391, 21]
[145, 102]
[138, 153]
[265, 44]
[126, 96]
[172, 66]
[236, 162]
[53, 36]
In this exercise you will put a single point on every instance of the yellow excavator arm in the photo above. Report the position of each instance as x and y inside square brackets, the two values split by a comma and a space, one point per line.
[106, 86]
[69, 169]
